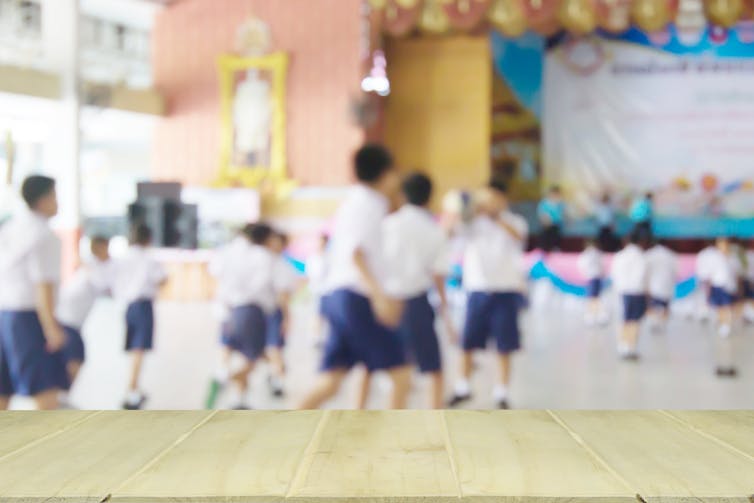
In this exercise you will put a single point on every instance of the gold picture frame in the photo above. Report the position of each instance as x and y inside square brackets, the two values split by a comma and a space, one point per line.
[274, 172]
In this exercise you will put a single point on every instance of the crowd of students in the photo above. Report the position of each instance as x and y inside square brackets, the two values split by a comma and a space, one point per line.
[379, 278]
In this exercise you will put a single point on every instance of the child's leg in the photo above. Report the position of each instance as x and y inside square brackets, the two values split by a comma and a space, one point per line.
[277, 363]
[500, 391]
[401, 377]
[4, 402]
[241, 379]
[437, 390]
[629, 336]
[137, 359]
[46, 400]
[327, 385]
[365, 382]
[73, 367]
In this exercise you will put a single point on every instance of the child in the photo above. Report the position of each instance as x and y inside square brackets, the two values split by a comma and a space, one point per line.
[641, 214]
[629, 276]
[749, 284]
[416, 251]
[247, 275]
[724, 274]
[31, 340]
[277, 324]
[592, 266]
[551, 214]
[362, 317]
[137, 278]
[703, 274]
[662, 273]
[494, 277]
[77, 298]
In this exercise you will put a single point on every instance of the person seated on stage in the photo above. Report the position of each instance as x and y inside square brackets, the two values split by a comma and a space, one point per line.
[629, 275]
[662, 272]
[31, 340]
[642, 213]
[591, 264]
[551, 215]
[605, 216]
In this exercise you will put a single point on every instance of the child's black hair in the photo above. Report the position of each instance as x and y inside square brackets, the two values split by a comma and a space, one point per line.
[36, 187]
[417, 188]
[371, 162]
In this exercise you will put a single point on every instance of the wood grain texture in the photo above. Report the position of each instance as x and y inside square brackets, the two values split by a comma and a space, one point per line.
[87, 461]
[733, 429]
[519, 454]
[663, 460]
[234, 455]
[377, 455]
[22, 430]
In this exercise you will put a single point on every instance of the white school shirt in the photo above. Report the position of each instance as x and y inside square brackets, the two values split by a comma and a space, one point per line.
[662, 272]
[629, 273]
[137, 275]
[316, 273]
[30, 255]
[248, 274]
[357, 226]
[78, 295]
[750, 265]
[703, 259]
[724, 271]
[493, 259]
[591, 263]
[415, 252]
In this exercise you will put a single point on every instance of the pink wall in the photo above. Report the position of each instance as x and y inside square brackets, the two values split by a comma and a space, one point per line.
[323, 39]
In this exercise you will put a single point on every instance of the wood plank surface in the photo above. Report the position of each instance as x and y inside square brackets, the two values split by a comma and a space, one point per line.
[377, 455]
[232, 456]
[20, 430]
[663, 460]
[528, 454]
[87, 461]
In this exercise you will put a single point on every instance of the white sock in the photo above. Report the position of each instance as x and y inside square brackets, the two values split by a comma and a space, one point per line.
[222, 375]
[624, 349]
[462, 387]
[133, 397]
[237, 397]
[724, 330]
[500, 392]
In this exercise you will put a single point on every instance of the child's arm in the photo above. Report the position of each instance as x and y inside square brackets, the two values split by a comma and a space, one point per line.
[387, 310]
[53, 333]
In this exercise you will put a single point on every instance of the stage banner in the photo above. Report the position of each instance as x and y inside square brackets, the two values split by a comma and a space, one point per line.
[673, 115]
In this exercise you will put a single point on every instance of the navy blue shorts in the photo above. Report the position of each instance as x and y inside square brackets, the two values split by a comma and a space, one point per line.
[140, 325]
[634, 307]
[658, 303]
[492, 315]
[719, 297]
[594, 288]
[356, 336]
[322, 307]
[26, 368]
[73, 351]
[275, 336]
[417, 331]
[246, 331]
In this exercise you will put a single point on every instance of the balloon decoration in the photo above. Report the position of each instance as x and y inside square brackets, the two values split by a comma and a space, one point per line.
[579, 17]
[548, 17]
[725, 13]
[509, 16]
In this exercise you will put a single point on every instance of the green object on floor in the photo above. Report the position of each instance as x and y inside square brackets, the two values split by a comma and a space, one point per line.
[215, 387]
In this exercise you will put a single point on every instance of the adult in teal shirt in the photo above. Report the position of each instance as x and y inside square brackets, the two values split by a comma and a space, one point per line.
[642, 211]
[551, 215]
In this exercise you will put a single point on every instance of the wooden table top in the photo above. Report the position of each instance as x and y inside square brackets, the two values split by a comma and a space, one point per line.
[376, 456]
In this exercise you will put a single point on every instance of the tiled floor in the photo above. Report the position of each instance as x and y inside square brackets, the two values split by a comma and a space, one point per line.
[564, 364]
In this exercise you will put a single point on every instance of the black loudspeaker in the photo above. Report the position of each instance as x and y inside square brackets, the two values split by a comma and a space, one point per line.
[173, 224]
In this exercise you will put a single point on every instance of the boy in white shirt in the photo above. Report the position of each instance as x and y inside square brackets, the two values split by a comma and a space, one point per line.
[31, 340]
[416, 253]
[703, 310]
[724, 275]
[494, 277]
[249, 280]
[137, 278]
[277, 323]
[662, 273]
[629, 275]
[749, 284]
[362, 317]
[77, 297]
[591, 264]
[316, 275]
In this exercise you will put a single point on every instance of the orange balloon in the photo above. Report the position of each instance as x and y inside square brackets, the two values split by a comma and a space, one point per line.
[578, 16]
[508, 16]
[651, 15]
[725, 13]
